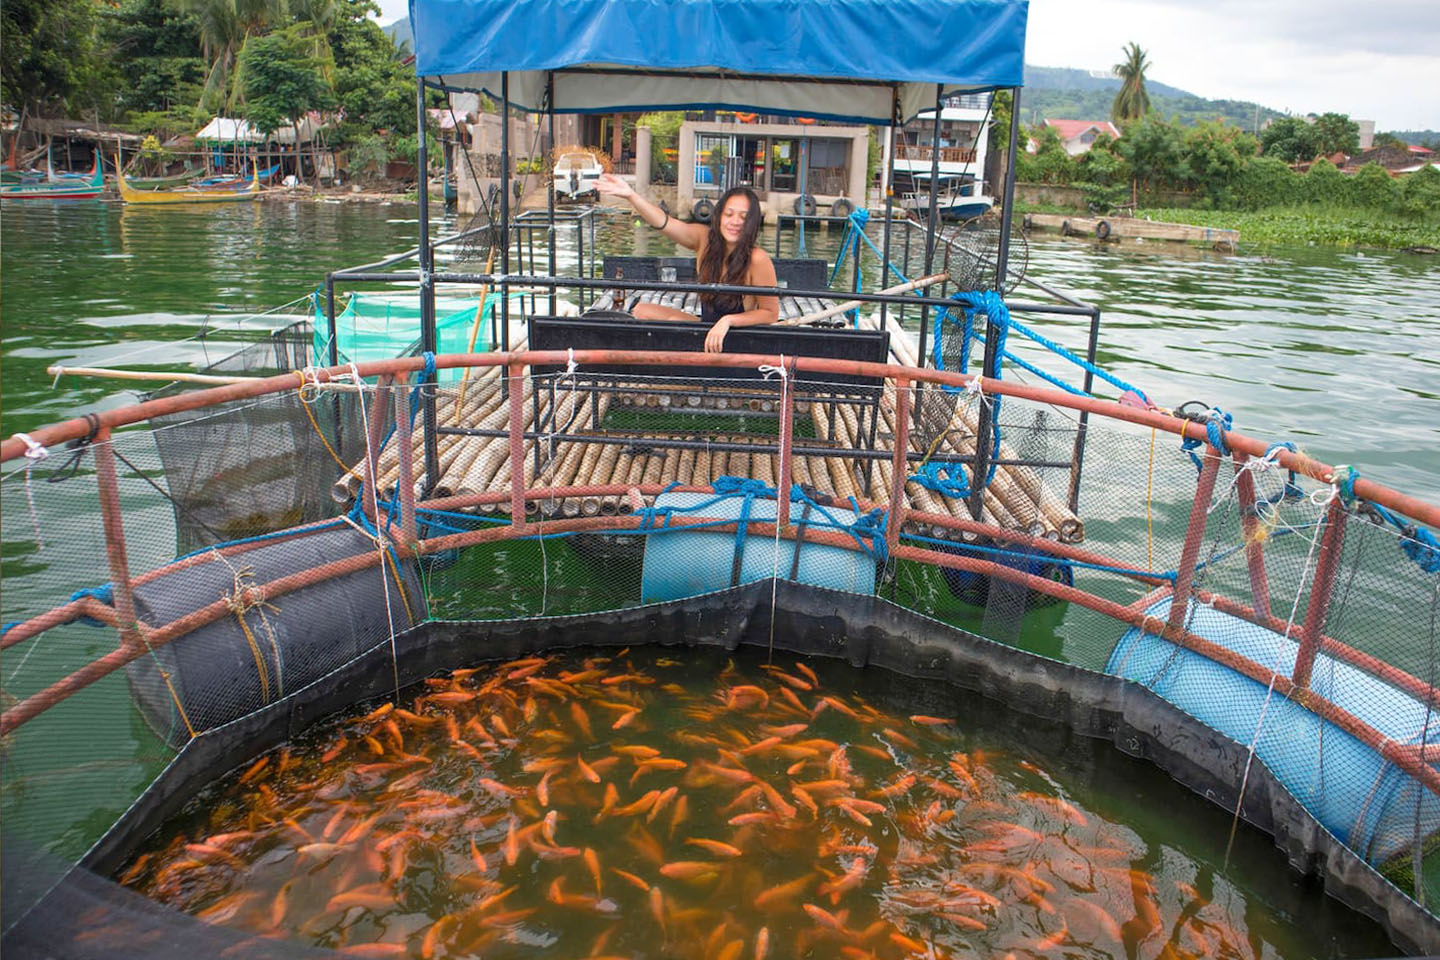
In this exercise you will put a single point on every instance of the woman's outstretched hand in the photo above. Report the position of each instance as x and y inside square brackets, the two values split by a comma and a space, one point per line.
[610, 185]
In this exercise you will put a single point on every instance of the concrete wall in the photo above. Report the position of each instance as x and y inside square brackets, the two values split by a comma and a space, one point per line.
[771, 201]
[485, 155]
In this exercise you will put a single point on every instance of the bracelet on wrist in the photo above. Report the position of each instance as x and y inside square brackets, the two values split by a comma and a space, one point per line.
[666, 223]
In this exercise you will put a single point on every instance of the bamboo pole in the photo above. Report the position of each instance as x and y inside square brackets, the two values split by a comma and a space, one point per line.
[838, 309]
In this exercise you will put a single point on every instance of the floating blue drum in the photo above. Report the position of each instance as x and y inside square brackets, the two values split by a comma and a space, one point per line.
[1359, 796]
[686, 563]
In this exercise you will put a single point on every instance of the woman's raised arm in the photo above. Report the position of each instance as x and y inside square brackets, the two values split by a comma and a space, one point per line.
[689, 235]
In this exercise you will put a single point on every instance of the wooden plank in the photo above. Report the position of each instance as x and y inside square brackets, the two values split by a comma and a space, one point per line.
[1130, 228]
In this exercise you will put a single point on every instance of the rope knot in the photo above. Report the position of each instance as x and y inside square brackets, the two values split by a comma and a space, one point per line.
[768, 370]
[34, 451]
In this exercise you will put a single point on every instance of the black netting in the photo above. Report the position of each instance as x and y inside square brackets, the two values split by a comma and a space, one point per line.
[641, 488]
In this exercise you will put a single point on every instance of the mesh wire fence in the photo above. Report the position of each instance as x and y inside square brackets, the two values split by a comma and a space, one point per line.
[616, 527]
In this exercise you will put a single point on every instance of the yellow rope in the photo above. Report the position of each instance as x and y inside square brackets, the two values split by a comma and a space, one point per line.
[1149, 522]
[239, 602]
[305, 405]
[169, 685]
[395, 572]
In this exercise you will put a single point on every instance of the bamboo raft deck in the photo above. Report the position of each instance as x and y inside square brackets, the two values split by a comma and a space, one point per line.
[1017, 499]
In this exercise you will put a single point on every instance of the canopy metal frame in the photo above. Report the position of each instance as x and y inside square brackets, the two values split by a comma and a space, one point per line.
[428, 278]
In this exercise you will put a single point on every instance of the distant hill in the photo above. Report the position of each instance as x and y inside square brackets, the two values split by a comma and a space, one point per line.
[1067, 93]
[399, 31]
[1419, 138]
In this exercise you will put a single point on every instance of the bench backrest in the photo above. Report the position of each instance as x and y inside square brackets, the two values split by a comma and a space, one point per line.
[591, 333]
[808, 273]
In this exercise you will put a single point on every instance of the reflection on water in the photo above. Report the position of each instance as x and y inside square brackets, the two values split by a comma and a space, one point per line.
[639, 806]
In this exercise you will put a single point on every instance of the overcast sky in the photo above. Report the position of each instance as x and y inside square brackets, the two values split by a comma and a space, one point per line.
[1376, 60]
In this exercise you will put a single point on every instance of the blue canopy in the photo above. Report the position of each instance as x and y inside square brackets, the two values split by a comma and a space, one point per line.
[834, 59]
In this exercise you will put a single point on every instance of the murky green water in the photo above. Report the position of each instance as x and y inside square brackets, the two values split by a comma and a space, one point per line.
[1338, 351]
[632, 804]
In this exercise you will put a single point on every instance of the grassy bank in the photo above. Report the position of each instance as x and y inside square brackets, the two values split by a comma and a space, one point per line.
[1311, 223]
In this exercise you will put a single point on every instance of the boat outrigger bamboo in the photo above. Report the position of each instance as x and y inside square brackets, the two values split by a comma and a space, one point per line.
[853, 492]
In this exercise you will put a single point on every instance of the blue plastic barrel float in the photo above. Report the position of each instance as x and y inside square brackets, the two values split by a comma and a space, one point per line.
[686, 563]
[1356, 793]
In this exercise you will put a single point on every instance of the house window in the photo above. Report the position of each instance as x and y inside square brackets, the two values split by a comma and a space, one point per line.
[712, 154]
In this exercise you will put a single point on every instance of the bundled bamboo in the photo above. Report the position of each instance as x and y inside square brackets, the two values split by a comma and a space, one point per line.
[605, 473]
[700, 470]
[1052, 510]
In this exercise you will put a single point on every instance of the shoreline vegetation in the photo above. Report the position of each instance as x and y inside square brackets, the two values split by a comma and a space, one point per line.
[1279, 188]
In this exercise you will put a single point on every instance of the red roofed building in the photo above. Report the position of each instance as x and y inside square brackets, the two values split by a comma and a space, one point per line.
[1078, 135]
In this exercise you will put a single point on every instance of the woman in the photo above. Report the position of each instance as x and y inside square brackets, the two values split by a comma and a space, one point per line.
[725, 252]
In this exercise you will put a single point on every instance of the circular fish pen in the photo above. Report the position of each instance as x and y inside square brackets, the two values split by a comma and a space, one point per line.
[343, 685]
[432, 594]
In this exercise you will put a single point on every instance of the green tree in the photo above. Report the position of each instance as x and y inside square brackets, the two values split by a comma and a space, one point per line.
[226, 27]
[1372, 186]
[283, 81]
[1324, 183]
[153, 51]
[1049, 163]
[373, 88]
[49, 58]
[1214, 155]
[1420, 191]
[1336, 133]
[1266, 182]
[1290, 139]
[1156, 153]
[1131, 101]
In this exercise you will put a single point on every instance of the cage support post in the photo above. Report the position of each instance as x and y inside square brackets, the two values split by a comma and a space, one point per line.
[1194, 533]
[517, 444]
[1077, 458]
[888, 195]
[505, 210]
[1250, 526]
[930, 230]
[990, 366]
[115, 553]
[404, 448]
[899, 465]
[787, 455]
[427, 286]
[550, 191]
[1318, 606]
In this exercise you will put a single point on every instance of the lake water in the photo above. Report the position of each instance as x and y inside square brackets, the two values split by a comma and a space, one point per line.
[1336, 350]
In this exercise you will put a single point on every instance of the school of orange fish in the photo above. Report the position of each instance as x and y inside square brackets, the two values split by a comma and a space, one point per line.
[560, 807]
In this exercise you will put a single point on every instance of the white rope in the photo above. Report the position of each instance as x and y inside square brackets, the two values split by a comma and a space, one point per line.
[34, 454]
[378, 537]
[1274, 673]
[1256, 465]
[768, 370]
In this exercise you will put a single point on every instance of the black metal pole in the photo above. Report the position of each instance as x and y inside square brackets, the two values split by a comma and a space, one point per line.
[991, 365]
[931, 228]
[889, 199]
[1077, 458]
[550, 119]
[427, 286]
[505, 208]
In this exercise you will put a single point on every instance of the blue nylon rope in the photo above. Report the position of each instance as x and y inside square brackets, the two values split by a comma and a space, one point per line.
[1217, 421]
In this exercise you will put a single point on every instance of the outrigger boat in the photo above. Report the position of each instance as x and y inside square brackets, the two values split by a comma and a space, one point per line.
[770, 495]
[72, 187]
[192, 194]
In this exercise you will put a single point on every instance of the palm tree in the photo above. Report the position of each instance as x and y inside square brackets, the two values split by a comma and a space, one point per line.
[1131, 102]
[225, 27]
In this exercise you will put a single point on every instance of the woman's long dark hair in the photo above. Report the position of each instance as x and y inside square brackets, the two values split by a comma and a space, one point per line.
[717, 267]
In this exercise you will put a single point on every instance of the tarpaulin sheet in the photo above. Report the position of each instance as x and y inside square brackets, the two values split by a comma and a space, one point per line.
[834, 59]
